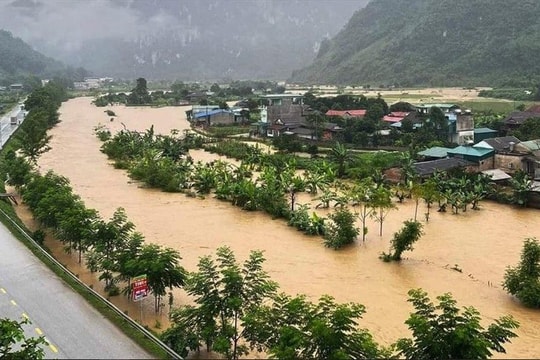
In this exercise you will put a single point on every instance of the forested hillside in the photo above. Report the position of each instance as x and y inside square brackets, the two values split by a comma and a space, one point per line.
[433, 42]
[20, 63]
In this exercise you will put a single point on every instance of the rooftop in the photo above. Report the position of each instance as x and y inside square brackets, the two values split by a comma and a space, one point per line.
[425, 168]
[470, 151]
[435, 152]
[352, 113]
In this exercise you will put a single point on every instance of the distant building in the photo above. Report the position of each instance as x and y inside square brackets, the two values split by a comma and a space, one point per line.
[515, 119]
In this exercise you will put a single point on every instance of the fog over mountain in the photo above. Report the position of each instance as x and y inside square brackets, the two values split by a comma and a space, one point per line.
[184, 39]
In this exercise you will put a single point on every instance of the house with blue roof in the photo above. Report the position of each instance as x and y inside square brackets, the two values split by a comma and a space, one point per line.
[214, 117]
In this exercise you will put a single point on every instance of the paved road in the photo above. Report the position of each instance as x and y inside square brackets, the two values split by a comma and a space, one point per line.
[72, 327]
[6, 128]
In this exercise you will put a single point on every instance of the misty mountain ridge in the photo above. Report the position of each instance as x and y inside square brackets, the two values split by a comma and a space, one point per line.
[185, 39]
[433, 42]
[18, 62]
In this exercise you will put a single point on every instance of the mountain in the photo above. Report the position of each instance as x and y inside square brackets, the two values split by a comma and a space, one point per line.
[184, 39]
[18, 62]
[433, 42]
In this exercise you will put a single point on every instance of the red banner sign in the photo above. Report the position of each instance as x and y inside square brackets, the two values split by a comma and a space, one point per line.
[139, 287]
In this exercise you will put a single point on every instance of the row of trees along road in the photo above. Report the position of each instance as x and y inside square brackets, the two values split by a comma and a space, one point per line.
[113, 248]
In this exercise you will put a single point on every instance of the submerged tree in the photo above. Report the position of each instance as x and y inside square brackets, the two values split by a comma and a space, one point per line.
[403, 240]
[342, 230]
[523, 281]
[381, 204]
[444, 332]
[139, 95]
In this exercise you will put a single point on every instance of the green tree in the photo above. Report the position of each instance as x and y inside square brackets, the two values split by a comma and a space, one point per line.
[32, 138]
[76, 227]
[403, 240]
[523, 280]
[341, 230]
[224, 292]
[162, 268]
[438, 123]
[15, 345]
[529, 130]
[362, 195]
[18, 170]
[110, 239]
[444, 332]
[139, 95]
[521, 186]
[295, 328]
[381, 204]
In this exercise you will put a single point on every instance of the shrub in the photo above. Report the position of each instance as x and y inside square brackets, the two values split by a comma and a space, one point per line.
[523, 281]
[341, 231]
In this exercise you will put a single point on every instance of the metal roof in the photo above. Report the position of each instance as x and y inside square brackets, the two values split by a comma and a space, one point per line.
[496, 174]
[470, 151]
[435, 152]
[425, 168]
[484, 130]
[204, 114]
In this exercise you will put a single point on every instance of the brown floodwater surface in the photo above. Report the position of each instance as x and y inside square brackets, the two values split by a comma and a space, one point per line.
[481, 243]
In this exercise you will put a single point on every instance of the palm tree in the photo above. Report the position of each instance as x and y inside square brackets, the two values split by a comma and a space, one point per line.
[341, 156]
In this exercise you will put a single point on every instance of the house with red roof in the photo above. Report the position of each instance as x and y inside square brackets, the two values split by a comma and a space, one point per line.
[347, 113]
[395, 116]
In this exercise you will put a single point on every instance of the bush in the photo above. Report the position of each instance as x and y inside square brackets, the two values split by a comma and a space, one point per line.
[39, 236]
[341, 231]
[523, 281]
[403, 240]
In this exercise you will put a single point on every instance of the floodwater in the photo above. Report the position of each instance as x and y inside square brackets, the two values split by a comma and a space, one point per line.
[481, 243]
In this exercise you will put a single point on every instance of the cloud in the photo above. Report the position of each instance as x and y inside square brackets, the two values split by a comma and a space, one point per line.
[67, 23]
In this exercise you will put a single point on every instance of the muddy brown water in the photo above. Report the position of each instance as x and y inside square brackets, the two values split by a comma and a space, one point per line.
[481, 243]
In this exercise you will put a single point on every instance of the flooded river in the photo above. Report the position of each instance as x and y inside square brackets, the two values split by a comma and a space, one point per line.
[481, 243]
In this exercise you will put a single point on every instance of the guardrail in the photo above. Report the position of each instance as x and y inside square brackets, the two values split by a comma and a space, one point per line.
[132, 322]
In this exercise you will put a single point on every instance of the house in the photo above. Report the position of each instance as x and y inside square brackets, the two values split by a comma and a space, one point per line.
[446, 108]
[531, 162]
[281, 113]
[359, 113]
[279, 127]
[427, 168]
[460, 123]
[482, 158]
[196, 97]
[483, 133]
[460, 126]
[199, 109]
[509, 152]
[515, 119]
[213, 117]
[395, 116]
[497, 175]
[434, 153]
[16, 87]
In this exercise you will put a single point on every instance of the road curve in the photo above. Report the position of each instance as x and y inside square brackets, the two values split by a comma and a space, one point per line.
[73, 328]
